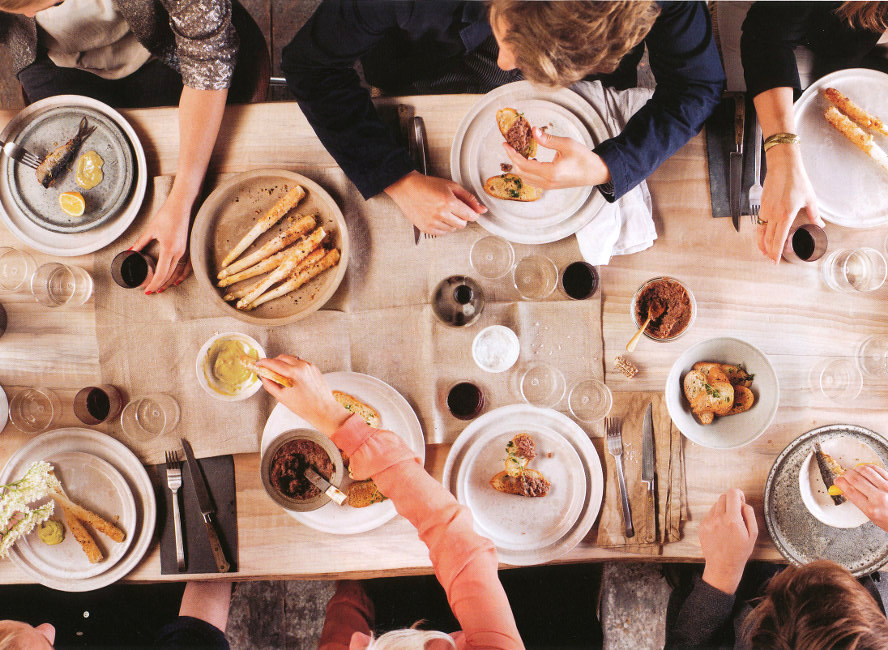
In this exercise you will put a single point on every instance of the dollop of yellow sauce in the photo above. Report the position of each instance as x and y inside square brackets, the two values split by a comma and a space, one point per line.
[89, 170]
[51, 532]
[229, 376]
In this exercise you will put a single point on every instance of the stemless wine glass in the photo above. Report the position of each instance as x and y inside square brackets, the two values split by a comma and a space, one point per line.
[542, 385]
[836, 379]
[579, 280]
[535, 277]
[859, 269]
[57, 284]
[872, 356]
[590, 400]
[95, 404]
[16, 269]
[492, 257]
[131, 269]
[806, 242]
[465, 400]
[34, 410]
[148, 417]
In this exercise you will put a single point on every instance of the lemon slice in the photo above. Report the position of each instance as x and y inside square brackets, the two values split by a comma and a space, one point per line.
[72, 203]
[89, 170]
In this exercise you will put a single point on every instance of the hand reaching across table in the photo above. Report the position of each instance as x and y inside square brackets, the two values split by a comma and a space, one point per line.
[574, 164]
[435, 205]
[727, 538]
[867, 488]
[169, 228]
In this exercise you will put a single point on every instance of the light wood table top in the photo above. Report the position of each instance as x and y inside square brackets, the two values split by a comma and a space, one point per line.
[786, 311]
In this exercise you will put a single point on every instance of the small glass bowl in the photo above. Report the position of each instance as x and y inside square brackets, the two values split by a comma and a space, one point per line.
[639, 323]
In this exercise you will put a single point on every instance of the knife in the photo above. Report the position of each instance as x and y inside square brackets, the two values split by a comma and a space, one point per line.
[207, 508]
[325, 486]
[736, 173]
[648, 473]
[416, 145]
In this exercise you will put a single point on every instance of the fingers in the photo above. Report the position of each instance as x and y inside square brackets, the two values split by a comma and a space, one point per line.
[146, 238]
[872, 474]
[778, 234]
[720, 504]
[813, 213]
[880, 471]
[547, 140]
[272, 388]
[733, 502]
[751, 523]
[469, 199]
[849, 489]
[163, 271]
[183, 270]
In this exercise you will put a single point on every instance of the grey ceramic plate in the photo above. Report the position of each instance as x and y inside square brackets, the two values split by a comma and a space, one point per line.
[797, 534]
[55, 127]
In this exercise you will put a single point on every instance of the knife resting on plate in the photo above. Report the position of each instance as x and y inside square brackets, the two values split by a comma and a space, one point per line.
[207, 507]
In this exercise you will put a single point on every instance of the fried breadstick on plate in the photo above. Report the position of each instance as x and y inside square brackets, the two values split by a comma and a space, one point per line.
[294, 231]
[286, 203]
[81, 534]
[302, 248]
[87, 516]
[314, 256]
[330, 259]
[250, 364]
[857, 135]
[856, 113]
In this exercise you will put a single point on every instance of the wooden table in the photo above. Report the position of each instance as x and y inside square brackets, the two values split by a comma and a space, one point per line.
[786, 311]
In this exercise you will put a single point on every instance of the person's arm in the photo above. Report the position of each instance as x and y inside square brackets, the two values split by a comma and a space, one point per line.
[465, 563]
[203, 617]
[867, 488]
[319, 66]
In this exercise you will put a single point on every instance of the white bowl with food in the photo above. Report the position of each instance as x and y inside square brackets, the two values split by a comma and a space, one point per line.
[725, 366]
[219, 370]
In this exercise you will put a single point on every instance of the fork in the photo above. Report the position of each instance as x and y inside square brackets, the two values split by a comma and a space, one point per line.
[20, 154]
[615, 448]
[755, 192]
[174, 482]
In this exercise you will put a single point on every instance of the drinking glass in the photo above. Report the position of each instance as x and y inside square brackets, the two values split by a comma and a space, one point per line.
[590, 400]
[542, 385]
[465, 400]
[131, 269]
[807, 242]
[579, 280]
[535, 277]
[492, 257]
[57, 284]
[34, 410]
[859, 269]
[96, 404]
[16, 269]
[872, 356]
[149, 417]
[836, 379]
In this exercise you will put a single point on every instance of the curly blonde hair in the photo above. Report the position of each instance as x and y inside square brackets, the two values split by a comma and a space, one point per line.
[871, 16]
[559, 43]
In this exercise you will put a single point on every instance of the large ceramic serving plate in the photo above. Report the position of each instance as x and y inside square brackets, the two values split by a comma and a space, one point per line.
[102, 474]
[395, 414]
[33, 213]
[229, 213]
[799, 535]
[528, 530]
[851, 188]
[477, 152]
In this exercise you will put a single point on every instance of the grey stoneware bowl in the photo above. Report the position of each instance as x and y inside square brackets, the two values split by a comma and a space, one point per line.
[289, 503]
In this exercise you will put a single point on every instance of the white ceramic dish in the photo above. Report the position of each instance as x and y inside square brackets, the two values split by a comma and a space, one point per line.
[4, 408]
[492, 335]
[140, 530]
[478, 454]
[732, 431]
[207, 379]
[848, 452]
[851, 188]
[395, 415]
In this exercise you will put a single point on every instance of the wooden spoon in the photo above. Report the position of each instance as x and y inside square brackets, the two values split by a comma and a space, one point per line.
[655, 310]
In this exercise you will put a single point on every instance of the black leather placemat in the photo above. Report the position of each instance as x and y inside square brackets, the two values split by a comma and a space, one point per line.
[219, 472]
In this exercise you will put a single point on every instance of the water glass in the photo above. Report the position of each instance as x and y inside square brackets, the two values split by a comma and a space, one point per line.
[859, 269]
[542, 385]
[148, 417]
[57, 284]
[872, 357]
[16, 269]
[95, 404]
[837, 380]
[590, 400]
[34, 410]
[535, 277]
[492, 257]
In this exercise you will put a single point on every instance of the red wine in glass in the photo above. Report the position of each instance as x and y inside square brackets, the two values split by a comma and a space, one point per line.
[579, 280]
[96, 404]
[465, 400]
[131, 269]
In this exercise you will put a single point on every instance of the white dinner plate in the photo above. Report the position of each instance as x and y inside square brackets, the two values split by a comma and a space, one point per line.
[139, 526]
[851, 188]
[510, 521]
[67, 244]
[395, 415]
[476, 154]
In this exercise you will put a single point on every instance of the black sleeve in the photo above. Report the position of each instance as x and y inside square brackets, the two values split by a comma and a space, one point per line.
[690, 78]
[189, 632]
[319, 67]
[701, 617]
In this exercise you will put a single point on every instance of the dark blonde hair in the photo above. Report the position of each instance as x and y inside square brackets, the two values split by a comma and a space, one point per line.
[817, 606]
[871, 16]
[559, 43]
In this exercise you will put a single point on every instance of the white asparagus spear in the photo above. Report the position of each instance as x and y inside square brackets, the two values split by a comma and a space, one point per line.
[310, 259]
[329, 260]
[302, 248]
[281, 272]
[286, 203]
[294, 231]
[857, 135]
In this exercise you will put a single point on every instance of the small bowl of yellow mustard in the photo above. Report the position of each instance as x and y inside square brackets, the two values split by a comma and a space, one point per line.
[219, 370]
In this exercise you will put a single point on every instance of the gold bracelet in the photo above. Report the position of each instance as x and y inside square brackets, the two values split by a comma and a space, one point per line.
[781, 138]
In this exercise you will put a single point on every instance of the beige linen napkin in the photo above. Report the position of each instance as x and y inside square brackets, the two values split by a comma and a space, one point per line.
[671, 495]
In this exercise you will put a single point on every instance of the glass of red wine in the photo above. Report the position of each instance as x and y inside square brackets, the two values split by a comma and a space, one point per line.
[131, 269]
[465, 400]
[579, 280]
[96, 404]
[807, 242]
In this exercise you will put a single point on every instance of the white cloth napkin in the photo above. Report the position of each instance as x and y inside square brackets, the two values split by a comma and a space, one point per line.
[626, 226]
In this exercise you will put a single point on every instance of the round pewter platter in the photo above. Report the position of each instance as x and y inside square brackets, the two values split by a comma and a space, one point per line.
[798, 535]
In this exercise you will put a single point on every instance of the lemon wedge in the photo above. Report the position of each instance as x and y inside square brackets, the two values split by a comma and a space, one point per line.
[72, 203]
[834, 491]
[89, 170]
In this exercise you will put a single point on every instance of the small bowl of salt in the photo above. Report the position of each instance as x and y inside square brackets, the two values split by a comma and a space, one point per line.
[496, 348]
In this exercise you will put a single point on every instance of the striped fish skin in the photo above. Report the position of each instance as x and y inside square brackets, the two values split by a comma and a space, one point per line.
[55, 164]
[830, 470]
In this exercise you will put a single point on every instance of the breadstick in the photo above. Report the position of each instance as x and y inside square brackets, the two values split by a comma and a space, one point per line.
[855, 112]
[297, 229]
[301, 249]
[312, 258]
[81, 534]
[286, 203]
[89, 517]
[250, 364]
[330, 259]
[857, 135]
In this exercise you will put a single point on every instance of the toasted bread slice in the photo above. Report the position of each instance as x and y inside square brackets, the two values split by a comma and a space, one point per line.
[350, 403]
[516, 130]
[737, 375]
[705, 418]
[530, 484]
[743, 400]
[364, 493]
[709, 393]
[511, 188]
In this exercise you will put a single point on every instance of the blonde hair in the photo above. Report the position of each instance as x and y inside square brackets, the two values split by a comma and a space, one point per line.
[559, 43]
[871, 16]
[14, 5]
[409, 639]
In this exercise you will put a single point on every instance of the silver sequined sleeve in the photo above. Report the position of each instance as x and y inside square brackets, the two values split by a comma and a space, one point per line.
[206, 42]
